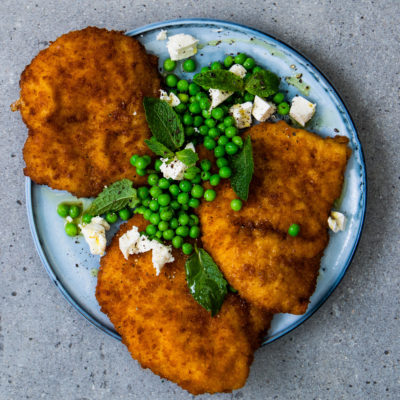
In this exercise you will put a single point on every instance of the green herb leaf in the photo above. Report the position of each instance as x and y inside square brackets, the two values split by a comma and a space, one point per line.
[242, 170]
[263, 83]
[219, 79]
[205, 281]
[114, 198]
[164, 123]
[187, 156]
[158, 148]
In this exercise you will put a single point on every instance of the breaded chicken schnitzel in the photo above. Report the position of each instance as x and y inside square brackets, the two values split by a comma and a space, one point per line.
[166, 330]
[81, 99]
[297, 177]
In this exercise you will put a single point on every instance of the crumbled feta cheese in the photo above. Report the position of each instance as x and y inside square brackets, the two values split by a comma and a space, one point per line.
[301, 110]
[132, 242]
[175, 169]
[242, 114]
[95, 235]
[68, 219]
[181, 46]
[337, 221]
[172, 99]
[162, 35]
[218, 96]
[238, 70]
[262, 109]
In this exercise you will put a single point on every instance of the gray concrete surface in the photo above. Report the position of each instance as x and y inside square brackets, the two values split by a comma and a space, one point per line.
[349, 349]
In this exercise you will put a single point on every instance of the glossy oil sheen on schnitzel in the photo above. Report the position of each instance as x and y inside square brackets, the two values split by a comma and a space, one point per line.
[81, 99]
[297, 177]
[166, 330]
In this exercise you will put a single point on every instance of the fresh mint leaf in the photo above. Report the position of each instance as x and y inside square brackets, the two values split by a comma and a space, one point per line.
[242, 170]
[164, 123]
[187, 156]
[263, 83]
[114, 198]
[219, 79]
[158, 148]
[205, 281]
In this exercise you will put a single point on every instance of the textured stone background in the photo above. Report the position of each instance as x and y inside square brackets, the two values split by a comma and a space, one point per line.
[348, 349]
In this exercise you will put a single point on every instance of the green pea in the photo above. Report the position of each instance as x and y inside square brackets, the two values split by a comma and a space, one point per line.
[163, 183]
[294, 230]
[278, 98]
[219, 151]
[86, 218]
[216, 65]
[206, 114]
[223, 140]
[152, 179]
[187, 119]
[203, 130]
[209, 143]
[146, 202]
[153, 205]
[182, 231]
[257, 69]
[205, 165]
[222, 162]
[240, 58]
[143, 192]
[124, 214]
[164, 199]
[228, 62]
[163, 226]
[155, 191]
[183, 198]
[201, 95]
[194, 89]
[238, 141]
[249, 63]
[204, 103]
[217, 113]
[194, 220]
[183, 219]
[147, 214]
[147, 160]
[141, 163]
[111, 217]
[169, 65]
[210, 122]
[174, 223]
[229, 121]
[194, 108]
[221, 127]
[236, 204]
[183, 85]
[155, 219]
[183, 97]
[204, 69]
[140, 210]
[213, 133]
[194, 232]
[231, 148]
[133, 159]
[63, 210]
[205, 175]
[197, 191]
[225, 172]
[185, 186]
[74, 211]
[187, 248]
[194, 203]
[231, 131]
[196, 179]
[248, 97]
[210, 195]
[197, 121]
[157, 165]
[166, 215]
[189, 65]
[71, 229]
[177, 242]
[168, 234]
[283, 108]
[180, 108]
[141, 172]
[151, 230]
[159, 234]
[215, 180]
[171, 80]
[175, 205]
[174, 189]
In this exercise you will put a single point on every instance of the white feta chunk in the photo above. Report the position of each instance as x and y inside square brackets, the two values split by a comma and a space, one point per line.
[302, 110]
[181, 46]
[262, 109]
[95, 235]
[128, 242]
[162, 35]
[242, 114]
[68, 219]
[172, 99]
[161, 255]
[337, 221]
[175, 169]
[238, 70]
[218, 97]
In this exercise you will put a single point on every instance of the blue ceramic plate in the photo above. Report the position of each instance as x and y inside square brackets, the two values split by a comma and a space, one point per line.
[68, 261]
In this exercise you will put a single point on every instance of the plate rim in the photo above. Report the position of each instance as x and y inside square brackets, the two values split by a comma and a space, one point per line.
[186, 21]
